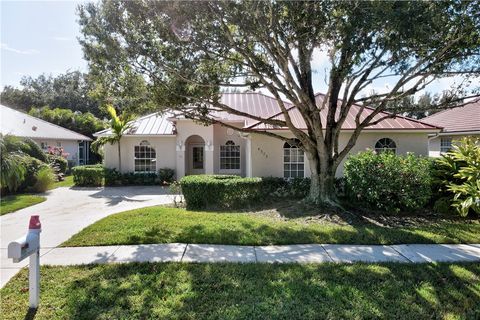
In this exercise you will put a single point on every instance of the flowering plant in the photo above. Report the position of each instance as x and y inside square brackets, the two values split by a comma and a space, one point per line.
[57, 151]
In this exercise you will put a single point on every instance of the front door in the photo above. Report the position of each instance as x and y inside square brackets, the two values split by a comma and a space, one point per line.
[196, 159]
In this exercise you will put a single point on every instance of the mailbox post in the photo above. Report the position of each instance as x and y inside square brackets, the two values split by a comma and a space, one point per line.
[29, 246]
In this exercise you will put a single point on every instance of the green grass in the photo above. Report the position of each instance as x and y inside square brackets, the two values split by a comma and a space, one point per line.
[164, 225]
[16, 202]
[250, 291]
[68, 182]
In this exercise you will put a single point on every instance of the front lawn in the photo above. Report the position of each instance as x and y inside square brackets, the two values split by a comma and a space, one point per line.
[250, 291]
[16, 202]
[166, 225]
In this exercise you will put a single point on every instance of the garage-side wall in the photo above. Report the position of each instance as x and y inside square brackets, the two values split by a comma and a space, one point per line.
[434, 143]
[69, 146]
[267, 152]
[164, 148]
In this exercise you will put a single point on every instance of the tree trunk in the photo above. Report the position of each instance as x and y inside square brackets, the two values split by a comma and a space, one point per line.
[322, 186]
[119, 157]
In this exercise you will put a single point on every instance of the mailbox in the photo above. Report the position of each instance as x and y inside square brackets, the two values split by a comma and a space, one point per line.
[29, 246]
[24, 247]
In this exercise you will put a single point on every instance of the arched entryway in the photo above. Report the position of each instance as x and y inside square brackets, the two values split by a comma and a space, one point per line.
[195, 155]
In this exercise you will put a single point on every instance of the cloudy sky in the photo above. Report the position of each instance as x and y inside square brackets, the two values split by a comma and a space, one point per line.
[41, 37]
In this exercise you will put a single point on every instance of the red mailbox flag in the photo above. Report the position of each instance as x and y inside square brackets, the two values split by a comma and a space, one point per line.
[35, 223]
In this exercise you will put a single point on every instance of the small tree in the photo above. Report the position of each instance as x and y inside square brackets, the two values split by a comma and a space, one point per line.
[118, 125]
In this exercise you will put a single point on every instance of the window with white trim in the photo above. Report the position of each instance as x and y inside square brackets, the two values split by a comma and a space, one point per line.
[445, 145]
[386, 145]
[44, 145]
[145, 157]
[293, 160]
[230, 156]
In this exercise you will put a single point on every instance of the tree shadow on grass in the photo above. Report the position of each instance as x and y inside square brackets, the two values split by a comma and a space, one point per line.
[266, 291]
[245, 233]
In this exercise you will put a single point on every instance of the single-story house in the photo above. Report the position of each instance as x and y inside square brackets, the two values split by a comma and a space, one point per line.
[158, 141]
[46, 134]
[457, 123]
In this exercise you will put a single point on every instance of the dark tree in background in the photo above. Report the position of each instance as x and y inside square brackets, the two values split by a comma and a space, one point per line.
[188, 52]
[70, 90]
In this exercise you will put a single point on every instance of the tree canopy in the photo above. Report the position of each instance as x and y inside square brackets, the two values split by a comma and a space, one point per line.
[187, 52]
[84, 123]
[69, 90]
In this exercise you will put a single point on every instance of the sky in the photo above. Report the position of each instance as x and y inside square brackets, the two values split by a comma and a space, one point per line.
[42, 37]
[38, 37]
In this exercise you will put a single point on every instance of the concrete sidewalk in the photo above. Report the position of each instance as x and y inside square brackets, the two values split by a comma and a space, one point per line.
[202, 253]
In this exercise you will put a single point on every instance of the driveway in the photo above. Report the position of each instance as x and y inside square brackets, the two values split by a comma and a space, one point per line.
[68, 210]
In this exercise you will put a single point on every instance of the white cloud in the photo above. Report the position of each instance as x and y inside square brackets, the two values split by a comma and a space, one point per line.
[60, 38]
[6, 47]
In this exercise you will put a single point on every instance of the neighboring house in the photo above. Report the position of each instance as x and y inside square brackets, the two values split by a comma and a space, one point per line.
[157, 141]
[46, 134]
[457, 123]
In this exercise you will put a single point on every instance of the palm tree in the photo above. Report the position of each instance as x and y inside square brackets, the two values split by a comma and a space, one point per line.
[118, 125]
[12, 168]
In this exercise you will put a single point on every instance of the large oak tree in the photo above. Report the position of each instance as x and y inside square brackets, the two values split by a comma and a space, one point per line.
[189, 51]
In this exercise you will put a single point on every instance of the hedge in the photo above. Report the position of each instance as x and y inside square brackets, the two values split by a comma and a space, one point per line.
[89, 175]
[220, 191]
[228, 192]
[387, 181]
[96, 175]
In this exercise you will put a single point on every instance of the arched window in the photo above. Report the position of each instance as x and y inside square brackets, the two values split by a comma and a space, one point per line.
[385, 144]
[230, 156]
[293, 160]
[145, 157]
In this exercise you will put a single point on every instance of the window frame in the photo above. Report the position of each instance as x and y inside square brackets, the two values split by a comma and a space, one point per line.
[289, 151]
[443, 146]
[389, 148]
[148, 149]
[230, 152]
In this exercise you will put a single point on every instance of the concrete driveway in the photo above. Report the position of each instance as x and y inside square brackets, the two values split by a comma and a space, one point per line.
[68, 210]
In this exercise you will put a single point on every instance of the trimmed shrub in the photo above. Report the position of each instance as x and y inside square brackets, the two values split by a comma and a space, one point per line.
[166, 175]
[457, 177]
[139, 179]
[220, 191]
[115, 178]
[112, 177]
[388, 182]
[45, 179]
[89, 175]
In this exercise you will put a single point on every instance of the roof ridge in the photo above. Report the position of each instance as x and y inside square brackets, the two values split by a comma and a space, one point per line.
[53, 124]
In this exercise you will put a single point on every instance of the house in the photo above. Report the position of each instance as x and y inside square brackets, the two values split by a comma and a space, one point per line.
[46, 134]
[158, 141]
[457, 123]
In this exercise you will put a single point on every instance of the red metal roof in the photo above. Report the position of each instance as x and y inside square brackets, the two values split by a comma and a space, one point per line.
[263, 106]
[461, 119]
[267, 107]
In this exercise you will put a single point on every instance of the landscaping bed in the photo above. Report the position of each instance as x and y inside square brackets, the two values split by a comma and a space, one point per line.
[16, 202]
[270, 226]
[249, 291]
